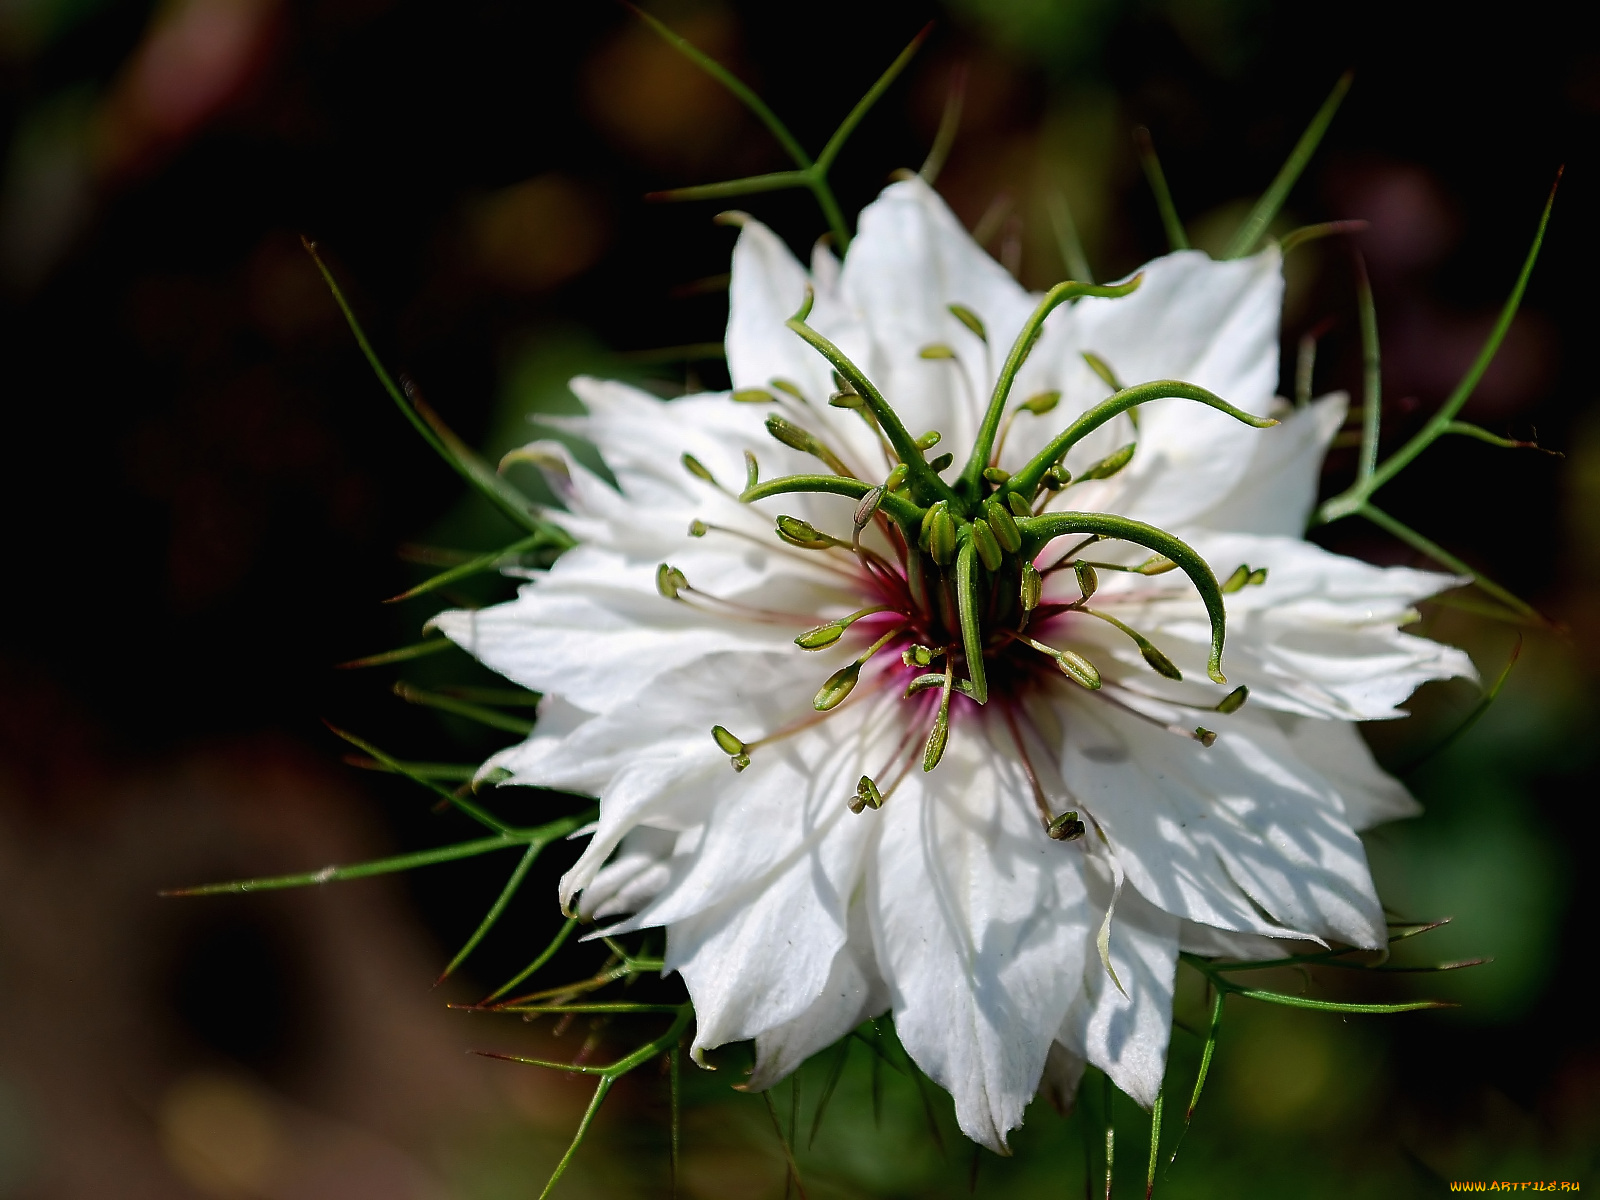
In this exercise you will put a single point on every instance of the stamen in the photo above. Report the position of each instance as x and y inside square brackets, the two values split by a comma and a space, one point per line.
[941, 536]
[1103, 369]
[796, 438]
[824, 636]
[754, 395]
[674, 585]
[1073, 665]
[1159, 662]
[1109, 465]
[738, 753]
[752, 471]
[1037, 405]
[1243, 576]
[843, 681]
[936, 350]
[970, 319]
[867, 795]
[918, 655]
[1088, 581]
[1200, 733]
[1032, 587]
[940, 735]
[941, 463]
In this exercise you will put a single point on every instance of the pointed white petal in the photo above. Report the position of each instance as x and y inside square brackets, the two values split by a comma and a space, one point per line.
[1335, 748]
[1320, 637]
[853, 992]
[1210, 323]
[1278, 489]
[1125, 1031]
[910, 260]
[1241, 835]
[980, 927]
[630, 880]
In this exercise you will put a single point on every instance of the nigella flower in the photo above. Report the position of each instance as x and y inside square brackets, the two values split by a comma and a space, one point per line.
[876, 726]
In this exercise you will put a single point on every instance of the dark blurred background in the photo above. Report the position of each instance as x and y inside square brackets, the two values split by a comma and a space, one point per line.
[209, 496]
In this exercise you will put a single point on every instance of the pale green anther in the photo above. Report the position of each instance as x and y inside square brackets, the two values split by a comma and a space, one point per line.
[1003, 525]
[1078, 669]
[1159, 662]
[791, 435]
[968, 318]
[934, 750]
[1056, 478]
[846, 400]
[803, 534]
[1088, 581]
[697, 468]
[869, 505]
[1233, 701]
[1018, 505]
[1258, 577]
[783, 385]
[942, 463]
[1240, 577]
[869, 792]
[726, 741]
[983, 540]
[1066, 827]
[996, 475]
[1032, 587]
[929, 440]
[754, 396]
[937, 350]
[942, 536]
[1102, 369]
[698, 528]
[822, 636]
[897, 478]
[1041, 403]
[1156, 564]
[739, 761]
[752, 471]
[1110, 464]
[1204, 736]
[670, 581]
[837, 687]
[916, 656]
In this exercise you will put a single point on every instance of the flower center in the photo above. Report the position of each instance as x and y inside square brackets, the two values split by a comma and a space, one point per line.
[960, 597]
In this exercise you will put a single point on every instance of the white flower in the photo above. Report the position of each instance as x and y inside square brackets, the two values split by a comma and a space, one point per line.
[794, 906]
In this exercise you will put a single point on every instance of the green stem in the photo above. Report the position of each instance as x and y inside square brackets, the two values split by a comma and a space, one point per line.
[484, 562]
[1353, 498]
[494, 913]
[379, 866]
[733, 83]
[1177, 239]
[1443, 557]
[970, 480]
[1272, 199]
[469, 807]
[1371, 374]
[545, 956]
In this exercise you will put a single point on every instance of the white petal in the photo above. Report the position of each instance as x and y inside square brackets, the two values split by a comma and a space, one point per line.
[1371, 795]
[1223, 943]
[630, 880]
[763, 956]
[1240, 835]
[853, 992]
[1278, 489]
[1210, 323]
[910, 260]
[1320, 637]
[1125, 1032]
[980, 927]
